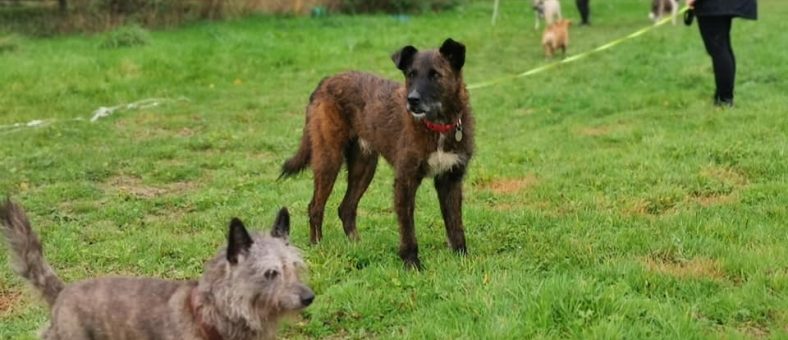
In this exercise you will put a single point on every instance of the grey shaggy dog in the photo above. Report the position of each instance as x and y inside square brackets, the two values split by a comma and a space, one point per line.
[244, 291]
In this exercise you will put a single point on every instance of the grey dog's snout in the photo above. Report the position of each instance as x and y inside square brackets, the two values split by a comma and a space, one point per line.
[307, 296]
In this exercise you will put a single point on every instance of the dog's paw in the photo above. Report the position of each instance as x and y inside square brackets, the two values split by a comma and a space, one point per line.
[413, 264]
[410, 256]
[353, 236]
[411, 260]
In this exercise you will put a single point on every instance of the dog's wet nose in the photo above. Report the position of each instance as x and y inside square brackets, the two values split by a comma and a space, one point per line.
[307, 299]
[414, 99]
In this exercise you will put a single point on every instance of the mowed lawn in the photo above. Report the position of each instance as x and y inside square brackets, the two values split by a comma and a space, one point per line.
[608, 198]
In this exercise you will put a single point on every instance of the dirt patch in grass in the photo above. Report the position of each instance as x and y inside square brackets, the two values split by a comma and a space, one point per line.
[594, 131]
[511, 186]
[133, 186]
[168, 217]
[726, 175]
[599, 130]
[186, 132]
[527, 111]
[504, 206]
[711, 200]
[140, 126]
[653, 206]
[754, 331]
[696, 268]
[747, 330]
[9, 300]
[728, 180]
[146, 124]
[539, 207]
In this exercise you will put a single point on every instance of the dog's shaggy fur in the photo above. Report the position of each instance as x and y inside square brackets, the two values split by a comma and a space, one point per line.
[423, 129]
[244, 291]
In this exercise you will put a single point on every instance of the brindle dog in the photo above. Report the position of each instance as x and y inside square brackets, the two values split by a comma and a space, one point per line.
[424, 128]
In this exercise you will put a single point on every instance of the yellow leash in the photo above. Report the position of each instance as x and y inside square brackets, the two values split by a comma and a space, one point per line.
[575, 57]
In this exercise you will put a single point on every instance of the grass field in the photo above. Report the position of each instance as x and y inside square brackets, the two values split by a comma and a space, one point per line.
[608, 197]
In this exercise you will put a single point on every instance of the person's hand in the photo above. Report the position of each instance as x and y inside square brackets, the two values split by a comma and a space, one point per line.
[691, 4]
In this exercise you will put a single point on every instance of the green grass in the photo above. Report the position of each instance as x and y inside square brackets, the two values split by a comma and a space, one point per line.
[608, 197]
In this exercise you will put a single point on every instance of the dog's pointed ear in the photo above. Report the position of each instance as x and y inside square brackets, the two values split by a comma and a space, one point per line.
[404, 57]
[454, 52]
[238, 241]
[282, 225]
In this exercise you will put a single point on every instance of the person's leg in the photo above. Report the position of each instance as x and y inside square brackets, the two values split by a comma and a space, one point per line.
[715, 31]
[582, 7]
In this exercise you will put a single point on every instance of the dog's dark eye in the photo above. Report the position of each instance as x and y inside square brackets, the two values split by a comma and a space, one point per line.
[434, 74]
[411, 74]
[271, 274]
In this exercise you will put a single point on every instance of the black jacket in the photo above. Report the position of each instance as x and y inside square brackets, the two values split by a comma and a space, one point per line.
[747, 9]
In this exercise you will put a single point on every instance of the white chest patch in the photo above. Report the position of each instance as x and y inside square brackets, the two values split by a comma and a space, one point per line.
[441, 161]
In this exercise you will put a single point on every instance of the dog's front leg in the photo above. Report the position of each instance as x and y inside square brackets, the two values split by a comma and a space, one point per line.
[449, 188]
[405, 186]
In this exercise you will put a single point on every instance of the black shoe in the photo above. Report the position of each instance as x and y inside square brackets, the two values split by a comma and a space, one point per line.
[723, 102]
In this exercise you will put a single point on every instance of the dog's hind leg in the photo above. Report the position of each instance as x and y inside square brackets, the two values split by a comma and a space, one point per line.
[329, 135]
[361, 165]
[326, 170]
[449, 188]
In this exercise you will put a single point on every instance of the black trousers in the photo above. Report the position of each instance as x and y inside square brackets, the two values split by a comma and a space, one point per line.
[582, 6]
[716, 34]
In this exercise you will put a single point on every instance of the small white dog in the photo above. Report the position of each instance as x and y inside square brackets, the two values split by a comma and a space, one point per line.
[660, 7]
[550, 10]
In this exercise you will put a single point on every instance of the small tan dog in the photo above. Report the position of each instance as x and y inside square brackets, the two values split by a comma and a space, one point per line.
[556, 36]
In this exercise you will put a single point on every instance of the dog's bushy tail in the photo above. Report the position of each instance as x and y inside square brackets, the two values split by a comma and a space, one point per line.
[300, 160]
[27, 255]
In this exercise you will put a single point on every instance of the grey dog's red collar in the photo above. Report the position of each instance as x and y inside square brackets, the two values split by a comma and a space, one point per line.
[207, 331]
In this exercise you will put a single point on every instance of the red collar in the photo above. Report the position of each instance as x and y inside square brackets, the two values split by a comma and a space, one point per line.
[207, 331]
[441, 128]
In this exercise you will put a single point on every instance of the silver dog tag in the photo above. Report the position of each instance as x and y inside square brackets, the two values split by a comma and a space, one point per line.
[458, 135]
